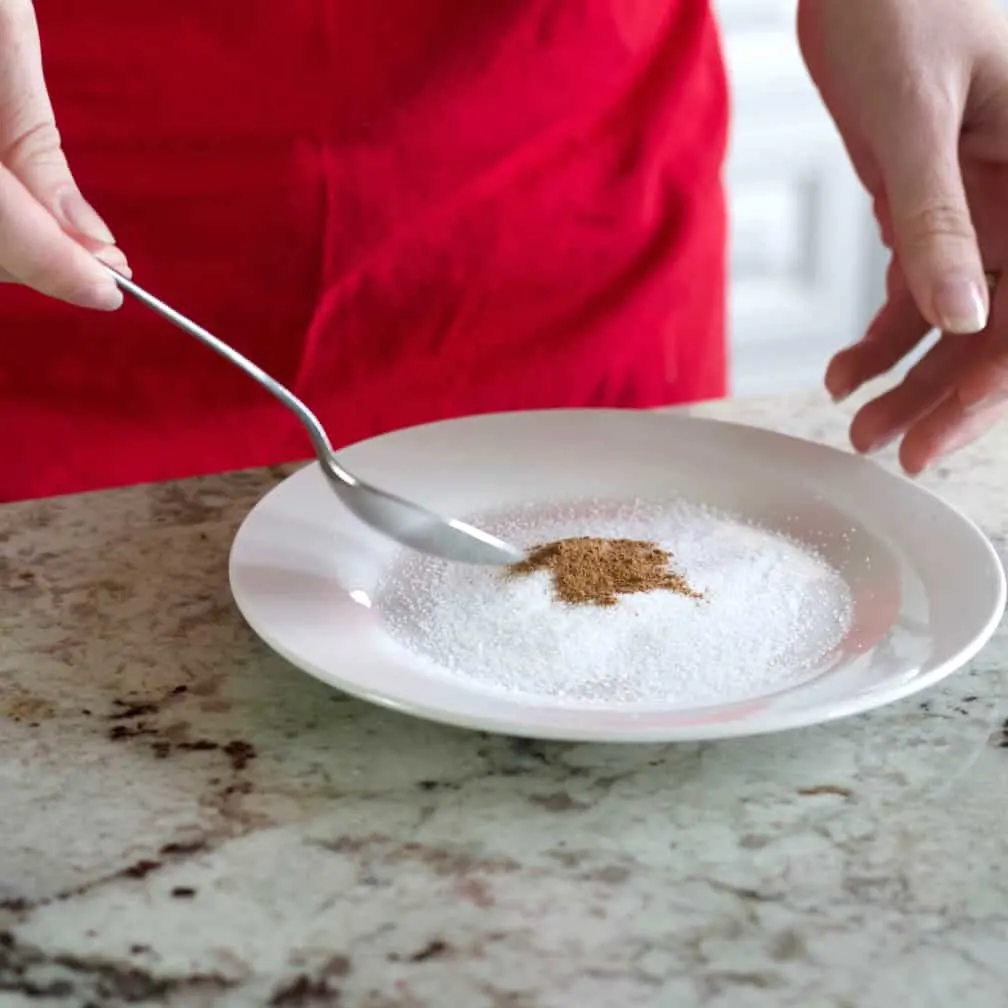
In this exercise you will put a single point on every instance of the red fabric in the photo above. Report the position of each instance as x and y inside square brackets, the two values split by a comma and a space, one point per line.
[408, 211]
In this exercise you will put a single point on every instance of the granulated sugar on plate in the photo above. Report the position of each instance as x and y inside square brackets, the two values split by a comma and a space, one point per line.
[772, 611]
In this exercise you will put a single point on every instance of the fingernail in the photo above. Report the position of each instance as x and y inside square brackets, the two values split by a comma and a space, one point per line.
[880, 441]
[839, 383]
[80, 216]
[105, 297]
[994, 401]
[840, 388]
[961, 304]
[113, 256]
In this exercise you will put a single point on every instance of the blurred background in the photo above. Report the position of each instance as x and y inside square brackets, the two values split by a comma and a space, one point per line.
[806, 263]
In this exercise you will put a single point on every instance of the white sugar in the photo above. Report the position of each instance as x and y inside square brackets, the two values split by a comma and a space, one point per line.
[772, 612]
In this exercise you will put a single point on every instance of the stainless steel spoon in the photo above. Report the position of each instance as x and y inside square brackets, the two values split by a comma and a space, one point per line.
[399, 519]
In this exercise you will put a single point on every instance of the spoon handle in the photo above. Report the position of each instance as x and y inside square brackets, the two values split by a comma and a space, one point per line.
[320, 441]
[407, 523]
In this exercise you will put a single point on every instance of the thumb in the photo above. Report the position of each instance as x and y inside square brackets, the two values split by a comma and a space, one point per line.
[932, 230]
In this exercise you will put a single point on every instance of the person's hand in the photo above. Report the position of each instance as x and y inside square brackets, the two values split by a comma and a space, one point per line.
[919, 91]
[49, 235]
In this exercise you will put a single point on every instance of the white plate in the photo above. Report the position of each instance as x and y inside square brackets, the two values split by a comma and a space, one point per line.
[927, 587]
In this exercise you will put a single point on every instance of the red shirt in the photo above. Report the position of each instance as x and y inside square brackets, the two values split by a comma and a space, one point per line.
[406, 211]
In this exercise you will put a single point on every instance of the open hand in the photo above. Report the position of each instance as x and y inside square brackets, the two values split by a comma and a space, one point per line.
[919, 91]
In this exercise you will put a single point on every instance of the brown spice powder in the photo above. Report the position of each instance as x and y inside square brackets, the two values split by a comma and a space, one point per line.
[593, 571]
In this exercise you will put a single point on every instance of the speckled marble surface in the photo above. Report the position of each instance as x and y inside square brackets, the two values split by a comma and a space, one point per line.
[186, 820]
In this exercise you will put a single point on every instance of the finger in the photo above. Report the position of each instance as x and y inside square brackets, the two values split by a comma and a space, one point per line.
[946, 429]
[110, 255]
[892, 334]
[932, 228]
[977, 401]
[36, 251]
[923, 387]
[985, 382]
[29, 142]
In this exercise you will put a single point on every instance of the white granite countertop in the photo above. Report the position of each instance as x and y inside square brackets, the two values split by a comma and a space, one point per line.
[187, 820]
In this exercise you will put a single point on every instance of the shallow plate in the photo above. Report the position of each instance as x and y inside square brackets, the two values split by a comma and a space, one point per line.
[926, 587]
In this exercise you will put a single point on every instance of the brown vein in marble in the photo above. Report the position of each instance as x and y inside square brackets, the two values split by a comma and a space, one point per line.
[169, 855]
[27, 970]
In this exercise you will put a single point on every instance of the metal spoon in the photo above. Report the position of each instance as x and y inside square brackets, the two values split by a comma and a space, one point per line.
[399, 519]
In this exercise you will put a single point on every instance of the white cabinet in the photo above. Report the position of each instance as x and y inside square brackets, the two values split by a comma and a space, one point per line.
[805, 262]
